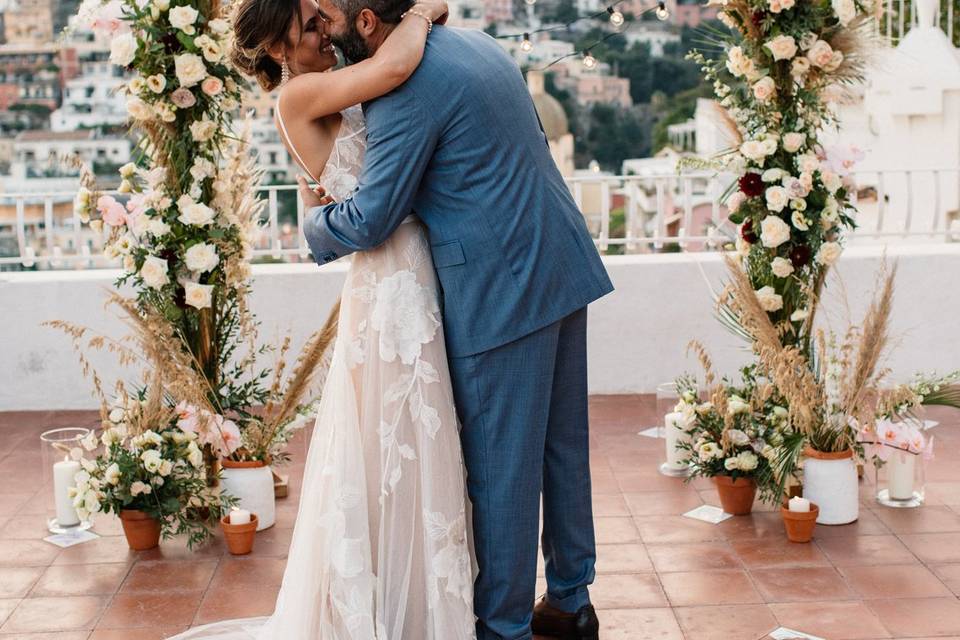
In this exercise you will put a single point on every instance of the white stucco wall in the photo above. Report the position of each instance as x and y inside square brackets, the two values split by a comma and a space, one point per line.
[637, 336]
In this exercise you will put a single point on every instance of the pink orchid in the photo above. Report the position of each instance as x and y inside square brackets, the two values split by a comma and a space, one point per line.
[187, 417]
[841, 159]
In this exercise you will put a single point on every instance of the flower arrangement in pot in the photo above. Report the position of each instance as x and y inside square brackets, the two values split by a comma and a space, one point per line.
[736, 436]
[150, 473]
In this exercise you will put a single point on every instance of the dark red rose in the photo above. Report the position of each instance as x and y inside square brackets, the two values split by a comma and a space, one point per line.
[170, 43]
[751, 184]
[800, 256]
[757, 18]
[747, 232]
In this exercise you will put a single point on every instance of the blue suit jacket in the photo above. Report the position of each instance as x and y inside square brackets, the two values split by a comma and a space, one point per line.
[461, 145]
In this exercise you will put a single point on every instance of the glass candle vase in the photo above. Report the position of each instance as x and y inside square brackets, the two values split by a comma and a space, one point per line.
[900, 480]
[59, 471]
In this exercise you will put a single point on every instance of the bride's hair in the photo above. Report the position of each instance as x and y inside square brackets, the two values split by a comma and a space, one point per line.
[257, 26]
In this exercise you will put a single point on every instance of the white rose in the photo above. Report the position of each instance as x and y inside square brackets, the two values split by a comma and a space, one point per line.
[800, 221]
[189, 69]
[201, 257]
[781, 267]
[203, 130]
[769, 299]
[709, 451]
[793, 141]
[777, 198]
[747, 461]
[158, 228]
[829, 253]
[808, 163]
[772, 175]
[182, 18]
[123, 49]
[782, 47]
[199, 296]
[219, 26]
[736, 404]
[846, 11]
[754, 150]
[764, 89]
[154, 272]
[795, 187]
[731, 464]
[773, 232]
[197, 214]
[831, 181]
[138, 109]
[820, 54]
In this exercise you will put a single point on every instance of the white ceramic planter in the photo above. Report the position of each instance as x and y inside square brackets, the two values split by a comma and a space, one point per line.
[253, 485]
[831, 482]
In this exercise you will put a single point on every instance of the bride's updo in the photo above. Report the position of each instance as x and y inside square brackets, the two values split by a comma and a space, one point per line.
[258, 25]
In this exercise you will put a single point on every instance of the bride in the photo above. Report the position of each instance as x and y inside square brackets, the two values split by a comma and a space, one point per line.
[380, 548]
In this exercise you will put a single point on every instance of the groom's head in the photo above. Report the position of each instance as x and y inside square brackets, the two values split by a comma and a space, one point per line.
[359, 27]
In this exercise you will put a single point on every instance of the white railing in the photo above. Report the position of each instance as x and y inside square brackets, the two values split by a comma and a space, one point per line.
[899, 16]
[625, 214]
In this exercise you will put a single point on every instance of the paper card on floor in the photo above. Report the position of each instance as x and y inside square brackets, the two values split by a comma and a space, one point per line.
[929, 424]
[789, 634]
[707, 513]
[653, 432]
[69, 539]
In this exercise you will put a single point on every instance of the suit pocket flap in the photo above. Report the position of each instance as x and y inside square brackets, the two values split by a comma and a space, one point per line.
[447, 254]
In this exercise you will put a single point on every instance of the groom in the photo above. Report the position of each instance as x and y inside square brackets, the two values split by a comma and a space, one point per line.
[461, 145]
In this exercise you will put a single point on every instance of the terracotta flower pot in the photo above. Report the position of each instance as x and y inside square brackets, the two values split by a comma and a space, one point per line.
[141, 530]
[239, 537]
[800, 524]
[736, 496]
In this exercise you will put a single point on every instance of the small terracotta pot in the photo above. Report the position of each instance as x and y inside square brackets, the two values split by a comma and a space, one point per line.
[239, 537]
[142, 531]
[736, 496]
[800, 524]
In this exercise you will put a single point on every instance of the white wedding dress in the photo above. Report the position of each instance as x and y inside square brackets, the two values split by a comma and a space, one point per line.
[380, 548]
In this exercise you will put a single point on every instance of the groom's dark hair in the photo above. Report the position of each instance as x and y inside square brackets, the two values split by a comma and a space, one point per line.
[389, 11]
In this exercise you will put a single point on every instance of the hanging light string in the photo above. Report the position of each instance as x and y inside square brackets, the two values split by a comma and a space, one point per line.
[611, 10]
[589, 61]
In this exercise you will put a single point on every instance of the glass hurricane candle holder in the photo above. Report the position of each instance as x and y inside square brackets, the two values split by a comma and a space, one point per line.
[900, 480]
[59, 471]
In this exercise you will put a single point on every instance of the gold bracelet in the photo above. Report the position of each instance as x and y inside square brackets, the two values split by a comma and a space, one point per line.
[414, 12]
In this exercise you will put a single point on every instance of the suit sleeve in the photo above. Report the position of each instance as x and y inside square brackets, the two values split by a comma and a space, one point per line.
[401, 137]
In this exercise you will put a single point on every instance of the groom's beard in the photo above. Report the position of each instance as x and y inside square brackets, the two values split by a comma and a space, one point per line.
[352, 45]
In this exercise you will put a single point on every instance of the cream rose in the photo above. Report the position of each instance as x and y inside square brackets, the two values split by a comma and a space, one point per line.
[772, 175]
[211, 50]
[199, 296]
[203, 130]
[138, 109]
[782, 47]
[793, 141]
[201, 257]
[211, 86]
[123, 49]
[183, 18]
[808, 163]
[764, 89]
[158, 228]
[820, 53]
[777, 198]
[189, 69]
[154, 272]
[769, 299]
[829, 253]
[197, 214]
[773, 232]
[781, 267]
[831, 181]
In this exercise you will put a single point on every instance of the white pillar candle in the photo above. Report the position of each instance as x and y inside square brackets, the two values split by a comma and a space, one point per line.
[63, 478]
[901, 470]
[675, 436]
[239, 516]
[798, 504]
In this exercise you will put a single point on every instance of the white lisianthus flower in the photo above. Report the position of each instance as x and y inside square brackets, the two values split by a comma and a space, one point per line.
[151, 437]
[764, 89]
[808, 40]
[219, 27]
[731, 464]
[183, 18]
[829, 253]
[769, 299]
[736, 436]
[156, 83]
[194, 455]
[831, 212]
[800, 221]
[831, 181]
[203, 130]
[820, 54]
[798, 204]
[846, 11]
[163, 5]
[112, 474]
[197, 214]
[166, 468]
[151, 460]
[123, 49]
[127, 171]
[782, 47]
[138, 109]
[747, 461]
[201, 257]
[781, 267]
[139, 487]
[754, 150]
[199, 296]
[110, 436]
[799, 68]
[777, 198]
[793, 141]
[772, 175]
[189, 69]
[773, 232]
[210, 48]
[154, 272]
[709, 451]
[799, 316]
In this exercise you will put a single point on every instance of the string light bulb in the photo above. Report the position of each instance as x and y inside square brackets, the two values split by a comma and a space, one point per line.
[662, 13]
[589, 62]
[526, 45]
[531, 2]
[616, 18]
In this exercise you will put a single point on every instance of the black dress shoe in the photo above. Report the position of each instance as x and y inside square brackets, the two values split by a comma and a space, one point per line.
[551, 622]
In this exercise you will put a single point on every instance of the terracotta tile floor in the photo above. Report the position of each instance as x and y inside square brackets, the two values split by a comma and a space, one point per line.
[893, 574]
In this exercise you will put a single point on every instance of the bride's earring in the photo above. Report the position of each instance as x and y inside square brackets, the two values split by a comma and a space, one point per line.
[284, 71]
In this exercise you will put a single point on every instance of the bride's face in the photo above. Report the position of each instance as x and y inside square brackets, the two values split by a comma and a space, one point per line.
[308, 46]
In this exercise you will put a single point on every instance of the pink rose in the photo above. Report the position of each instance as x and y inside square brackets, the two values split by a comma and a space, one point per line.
[183, 98]
[111, 211]
[211, 86]
[820, 54]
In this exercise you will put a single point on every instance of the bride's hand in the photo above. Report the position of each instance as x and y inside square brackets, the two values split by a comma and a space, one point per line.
[437, 10]
[316, 197]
